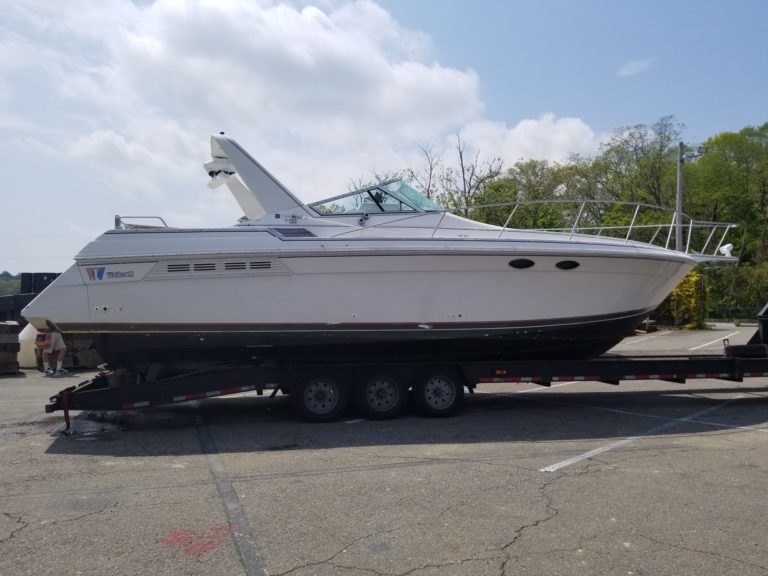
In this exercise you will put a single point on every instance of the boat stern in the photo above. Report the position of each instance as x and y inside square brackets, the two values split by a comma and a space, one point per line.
[63, 303]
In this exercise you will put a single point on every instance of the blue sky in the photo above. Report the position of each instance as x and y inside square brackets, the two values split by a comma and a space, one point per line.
[106, 107]
[705, 61]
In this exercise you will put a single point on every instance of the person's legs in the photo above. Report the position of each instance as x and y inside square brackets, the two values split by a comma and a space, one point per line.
[47, 366]
[60, 360]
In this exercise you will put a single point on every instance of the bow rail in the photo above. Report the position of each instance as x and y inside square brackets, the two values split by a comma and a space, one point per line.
[630, 221]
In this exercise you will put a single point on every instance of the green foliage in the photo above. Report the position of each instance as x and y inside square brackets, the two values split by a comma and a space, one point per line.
[688, 304]
[637, 163]
[688, 301]
[738, 292]
[9, 284]
[731, 184]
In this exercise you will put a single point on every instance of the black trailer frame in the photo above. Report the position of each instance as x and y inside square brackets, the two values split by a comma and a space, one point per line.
[321, 391]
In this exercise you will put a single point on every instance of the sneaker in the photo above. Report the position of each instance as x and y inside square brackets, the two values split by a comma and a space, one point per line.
[50, 372]
[61, 372]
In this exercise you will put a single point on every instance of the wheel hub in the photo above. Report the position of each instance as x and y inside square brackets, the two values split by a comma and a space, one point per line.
[382, 393]
[321, 396]
[438, 392]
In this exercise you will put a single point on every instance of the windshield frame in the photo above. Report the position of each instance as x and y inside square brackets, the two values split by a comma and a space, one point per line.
[414, 200]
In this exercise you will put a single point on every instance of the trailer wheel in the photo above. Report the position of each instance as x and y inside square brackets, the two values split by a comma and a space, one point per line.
[381, 396]
[439, 393]
[320, 398]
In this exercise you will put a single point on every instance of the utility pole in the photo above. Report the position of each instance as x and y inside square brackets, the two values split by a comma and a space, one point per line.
[679, 200]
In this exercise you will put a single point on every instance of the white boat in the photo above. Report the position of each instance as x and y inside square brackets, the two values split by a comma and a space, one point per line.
[378, 271]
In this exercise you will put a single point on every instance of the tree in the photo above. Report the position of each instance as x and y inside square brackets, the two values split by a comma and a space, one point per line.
[461, 186]
[528, 181]
[425, 179]
[637, 164]
[733, 186]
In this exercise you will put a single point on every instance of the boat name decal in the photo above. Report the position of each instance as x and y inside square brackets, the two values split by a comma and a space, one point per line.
[99, 273]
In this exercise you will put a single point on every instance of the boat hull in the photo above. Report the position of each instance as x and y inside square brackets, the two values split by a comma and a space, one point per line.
[546, 339]
[458, 303]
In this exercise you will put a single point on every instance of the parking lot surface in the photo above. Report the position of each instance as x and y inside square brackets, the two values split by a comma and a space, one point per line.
[647, 478]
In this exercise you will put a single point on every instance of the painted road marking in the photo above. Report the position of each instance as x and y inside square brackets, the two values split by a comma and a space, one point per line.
[489, 395]
[630, 342]
[587, 455]
[714, 341]
[755, 428]
[537, 389]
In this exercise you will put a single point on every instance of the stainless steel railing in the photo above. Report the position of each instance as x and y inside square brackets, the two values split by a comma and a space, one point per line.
[630, 221]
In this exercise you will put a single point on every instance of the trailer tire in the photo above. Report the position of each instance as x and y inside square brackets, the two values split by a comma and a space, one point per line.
[381, 396]
[320, 398]
[439, 393]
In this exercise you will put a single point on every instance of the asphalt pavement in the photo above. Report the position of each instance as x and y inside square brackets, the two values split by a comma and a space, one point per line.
[647, 478]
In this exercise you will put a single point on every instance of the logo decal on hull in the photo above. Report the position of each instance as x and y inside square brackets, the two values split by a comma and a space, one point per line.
[95, 273]
[98, 273]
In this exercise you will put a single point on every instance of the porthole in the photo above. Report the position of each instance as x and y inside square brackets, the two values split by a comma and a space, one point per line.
[567, 265]
[521, 263]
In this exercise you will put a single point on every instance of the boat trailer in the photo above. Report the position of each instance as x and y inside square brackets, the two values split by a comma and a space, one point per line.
[321, 391]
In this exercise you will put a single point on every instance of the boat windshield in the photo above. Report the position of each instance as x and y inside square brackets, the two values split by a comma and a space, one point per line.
[414, 197]
[394, 196]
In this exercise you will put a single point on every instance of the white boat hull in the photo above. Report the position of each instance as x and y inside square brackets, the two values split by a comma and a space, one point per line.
[410, 303]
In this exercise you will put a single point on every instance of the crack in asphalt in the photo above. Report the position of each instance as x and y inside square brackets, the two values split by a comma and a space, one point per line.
[496, 555]
[16, 520]
[104, 508]
[551, 512]
[329, 560]
[356, 569]
[425, 522]
[704, 552]
[442, 565]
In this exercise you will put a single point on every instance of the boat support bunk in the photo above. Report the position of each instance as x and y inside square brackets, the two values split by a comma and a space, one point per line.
[322, 390]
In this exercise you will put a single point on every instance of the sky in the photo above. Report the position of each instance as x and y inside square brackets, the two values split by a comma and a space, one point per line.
[107, 107]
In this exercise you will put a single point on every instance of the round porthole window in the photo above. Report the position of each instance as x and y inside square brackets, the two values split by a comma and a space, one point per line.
[567, 265]
[521, 263]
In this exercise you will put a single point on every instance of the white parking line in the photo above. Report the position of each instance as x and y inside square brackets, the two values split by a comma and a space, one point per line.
[714, 341]
[625, 441]
[755, 428]
[489, 394]
[630, 342]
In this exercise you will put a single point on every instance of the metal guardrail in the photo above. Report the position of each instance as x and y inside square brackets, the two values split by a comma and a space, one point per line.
[121, 224]
[584, 215]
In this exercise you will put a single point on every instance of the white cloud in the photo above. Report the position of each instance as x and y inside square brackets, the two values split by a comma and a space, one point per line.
[544, 138]
[288, 80]
[634, 67]
[115, 100]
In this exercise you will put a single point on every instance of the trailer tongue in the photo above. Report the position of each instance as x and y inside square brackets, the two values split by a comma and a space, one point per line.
[322, 390]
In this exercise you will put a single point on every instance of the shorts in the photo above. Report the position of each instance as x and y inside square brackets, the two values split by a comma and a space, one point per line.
[57, 343]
